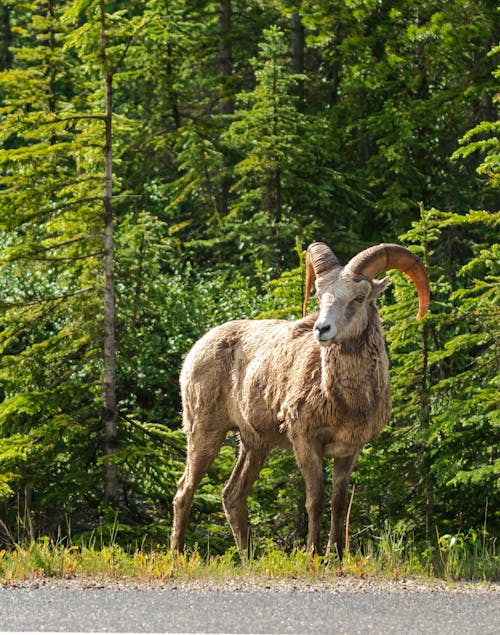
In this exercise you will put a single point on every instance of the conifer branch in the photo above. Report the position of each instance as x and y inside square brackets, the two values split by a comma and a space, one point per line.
[55, 298]
[72, 118]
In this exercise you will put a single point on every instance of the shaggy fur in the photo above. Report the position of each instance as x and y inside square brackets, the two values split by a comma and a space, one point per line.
[270, 381]
[319, 386]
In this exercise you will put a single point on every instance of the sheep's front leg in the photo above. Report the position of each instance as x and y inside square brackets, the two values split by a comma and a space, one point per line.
[309, 458]
[342, 468]
[237, 489]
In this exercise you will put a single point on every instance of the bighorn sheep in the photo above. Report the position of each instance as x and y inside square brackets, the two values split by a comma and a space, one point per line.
[319, 385]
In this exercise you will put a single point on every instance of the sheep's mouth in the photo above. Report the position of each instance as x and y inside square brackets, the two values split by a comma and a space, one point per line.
[323, 342]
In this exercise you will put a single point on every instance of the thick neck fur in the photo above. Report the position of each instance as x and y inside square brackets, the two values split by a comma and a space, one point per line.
[355, 374]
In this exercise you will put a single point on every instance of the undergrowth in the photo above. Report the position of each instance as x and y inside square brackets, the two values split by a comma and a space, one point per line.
[392, 554]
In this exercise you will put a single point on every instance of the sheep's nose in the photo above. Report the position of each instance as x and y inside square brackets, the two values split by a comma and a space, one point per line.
[321, 330]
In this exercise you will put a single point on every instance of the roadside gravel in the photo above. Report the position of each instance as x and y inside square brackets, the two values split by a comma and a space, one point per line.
[337, 584]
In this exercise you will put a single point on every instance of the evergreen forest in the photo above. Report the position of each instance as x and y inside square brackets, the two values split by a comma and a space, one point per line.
[163, 166]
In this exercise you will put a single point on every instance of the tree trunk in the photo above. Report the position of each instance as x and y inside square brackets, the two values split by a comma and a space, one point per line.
[226, 105]
[109, 414]
[425, 405]
[51, 66]
[176, 115]
[278, 201]
[6, 39]
[174, 101]
[297, 50]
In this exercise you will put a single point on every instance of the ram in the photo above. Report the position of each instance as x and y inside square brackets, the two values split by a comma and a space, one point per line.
[318, 386]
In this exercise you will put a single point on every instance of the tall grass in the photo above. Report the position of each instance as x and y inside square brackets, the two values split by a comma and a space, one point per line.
[391, 553]
[462, 556]
[467, 555]
[45, 558]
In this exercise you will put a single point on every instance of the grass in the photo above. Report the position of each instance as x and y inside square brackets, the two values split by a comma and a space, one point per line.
[463, 556]
[391, 555]
[44, 558]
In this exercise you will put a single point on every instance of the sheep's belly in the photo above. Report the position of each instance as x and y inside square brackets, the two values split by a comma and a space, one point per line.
[338, 449]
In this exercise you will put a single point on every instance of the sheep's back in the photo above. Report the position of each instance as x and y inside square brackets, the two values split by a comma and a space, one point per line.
[245, 367]
[265, 378]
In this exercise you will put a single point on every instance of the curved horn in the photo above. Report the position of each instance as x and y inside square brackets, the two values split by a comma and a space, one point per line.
[320, 259]
[374, 260]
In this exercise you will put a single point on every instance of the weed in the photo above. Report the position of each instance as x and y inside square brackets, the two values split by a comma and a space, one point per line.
[467, 555]
[392, 553]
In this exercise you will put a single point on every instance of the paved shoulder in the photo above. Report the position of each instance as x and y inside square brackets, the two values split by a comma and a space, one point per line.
[372, 610]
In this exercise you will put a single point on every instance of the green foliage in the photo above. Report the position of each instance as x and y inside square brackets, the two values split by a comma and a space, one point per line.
[439, 453]
[465, 555]
[392, 555]
[483, 139]
[49, 222]
[220, 167]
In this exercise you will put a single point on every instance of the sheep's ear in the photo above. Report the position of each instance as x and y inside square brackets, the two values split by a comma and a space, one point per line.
[378, 287]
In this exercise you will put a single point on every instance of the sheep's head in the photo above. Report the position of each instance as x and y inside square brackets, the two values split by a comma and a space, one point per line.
[345, 294]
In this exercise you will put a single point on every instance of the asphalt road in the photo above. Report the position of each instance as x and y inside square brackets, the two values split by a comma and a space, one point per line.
[368, 612]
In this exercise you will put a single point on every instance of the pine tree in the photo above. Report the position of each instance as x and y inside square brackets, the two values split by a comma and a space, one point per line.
[57, 220]
[51, 249]
[439, 453]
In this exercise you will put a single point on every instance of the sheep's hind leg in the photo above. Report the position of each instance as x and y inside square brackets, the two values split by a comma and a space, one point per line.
[236, 491]
[342, 468]
[200, 455]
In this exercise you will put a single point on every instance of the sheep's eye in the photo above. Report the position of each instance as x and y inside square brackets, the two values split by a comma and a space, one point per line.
[360, 298]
